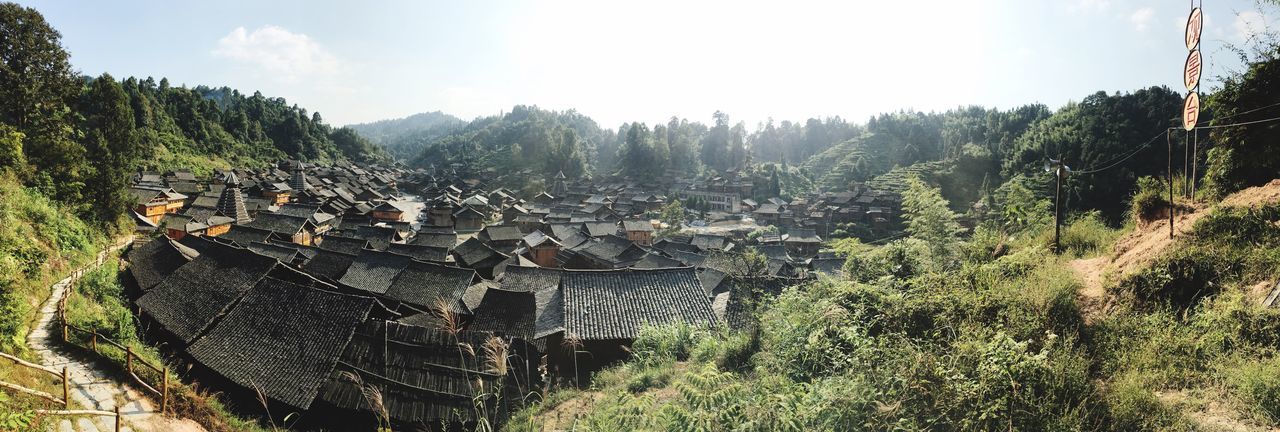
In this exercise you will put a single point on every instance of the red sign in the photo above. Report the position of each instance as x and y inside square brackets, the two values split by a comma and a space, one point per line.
[1195, 23]
[1191, 71]
[1191, 111]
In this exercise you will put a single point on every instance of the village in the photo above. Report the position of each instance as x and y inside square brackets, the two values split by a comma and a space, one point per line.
[301, 282]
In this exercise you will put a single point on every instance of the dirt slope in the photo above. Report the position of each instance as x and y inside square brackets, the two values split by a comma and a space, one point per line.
[1138, 249]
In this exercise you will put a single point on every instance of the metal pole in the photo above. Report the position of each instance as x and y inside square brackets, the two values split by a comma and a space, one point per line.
[1194, 161]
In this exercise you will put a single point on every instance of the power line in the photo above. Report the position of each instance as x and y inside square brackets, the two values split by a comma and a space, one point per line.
[1114, 162]
[1241, 113]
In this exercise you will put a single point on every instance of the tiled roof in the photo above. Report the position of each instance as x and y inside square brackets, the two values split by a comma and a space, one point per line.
[443, 240]
[652, 260]
[282, 339]
[420, 284]
[600, 229]
[151, 263]
[244, 235]
[373, 271]
[614, 304]
[327, 264]
[530, 279]
[510, 313]
[200, 291]
[347, 245]
[418, 252]
[283, 253]
[416, 370]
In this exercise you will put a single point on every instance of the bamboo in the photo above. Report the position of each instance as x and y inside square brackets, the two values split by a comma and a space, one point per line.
[32, 392]
[66, 389]
[29, 364]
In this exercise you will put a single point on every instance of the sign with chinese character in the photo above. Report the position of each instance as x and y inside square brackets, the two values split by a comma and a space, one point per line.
[1195, 23]
[1191, 71]
[1191, 111]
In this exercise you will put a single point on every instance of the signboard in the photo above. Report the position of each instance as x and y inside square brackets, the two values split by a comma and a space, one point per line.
[1195, 23]
[1191, 71]
[1191, 111]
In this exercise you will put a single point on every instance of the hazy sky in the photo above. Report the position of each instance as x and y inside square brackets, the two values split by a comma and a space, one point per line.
[646, 61]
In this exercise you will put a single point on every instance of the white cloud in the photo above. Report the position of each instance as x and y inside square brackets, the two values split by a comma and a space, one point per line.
[286, 55]
[1249, 23]
[1141, 18]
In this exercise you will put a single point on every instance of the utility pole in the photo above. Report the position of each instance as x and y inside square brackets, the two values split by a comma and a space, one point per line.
[1059, 171]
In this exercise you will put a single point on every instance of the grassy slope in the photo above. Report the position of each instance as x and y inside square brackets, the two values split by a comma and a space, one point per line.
[991, 344]
[39, 244]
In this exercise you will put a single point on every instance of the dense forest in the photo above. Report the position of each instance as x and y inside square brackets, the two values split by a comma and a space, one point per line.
[404, 138]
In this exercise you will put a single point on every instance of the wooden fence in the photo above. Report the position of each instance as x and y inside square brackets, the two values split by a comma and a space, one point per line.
[130, 359]
[65, 400]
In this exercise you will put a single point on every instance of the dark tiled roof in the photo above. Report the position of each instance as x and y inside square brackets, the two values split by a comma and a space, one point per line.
[421, 284]
[283, 253]
[530, 279]
[417, 371]
[244, 235]
[280, 223]
[347, 245]
[418, 252]
[612, 250]
[379, 237]
[443, 240]
[600, 229]
[200, 291]
[373, 271]
[502, 233]
[510, 313]
[614, 304]
[652, 261]
[474, 252]
[282, 339]
[151, 263]
[327, 264]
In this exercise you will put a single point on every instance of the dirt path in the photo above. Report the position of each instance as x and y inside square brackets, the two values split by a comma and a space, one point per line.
[90, 387]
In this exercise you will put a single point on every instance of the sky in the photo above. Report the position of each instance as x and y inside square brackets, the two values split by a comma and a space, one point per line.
[647, 61]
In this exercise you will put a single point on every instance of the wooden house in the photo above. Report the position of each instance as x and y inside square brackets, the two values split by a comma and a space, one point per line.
[639, 231]
[542, 249]
[387, 212]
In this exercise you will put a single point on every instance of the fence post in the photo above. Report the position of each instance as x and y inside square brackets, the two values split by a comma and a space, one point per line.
[65, 339]
[164, 391]
[93, 341]
[117, 418]
[66, 392]
[128, 358]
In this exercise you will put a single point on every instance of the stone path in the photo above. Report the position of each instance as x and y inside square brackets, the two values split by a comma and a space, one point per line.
[91, 388]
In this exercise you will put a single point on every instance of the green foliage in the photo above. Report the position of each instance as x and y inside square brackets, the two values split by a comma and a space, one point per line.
[404, 138]
[1150, 199]
[1099, 131]
[673, 215]
[38, 240]
[1257, 385]
[11, 156]
[1242, 155]
[929, 219]
[100, 305]
[1086, 234]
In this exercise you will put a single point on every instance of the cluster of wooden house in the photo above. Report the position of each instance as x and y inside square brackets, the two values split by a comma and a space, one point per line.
[314, 298]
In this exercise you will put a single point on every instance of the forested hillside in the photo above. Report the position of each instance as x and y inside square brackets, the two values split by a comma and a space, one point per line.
[69, 145]
[405, 138]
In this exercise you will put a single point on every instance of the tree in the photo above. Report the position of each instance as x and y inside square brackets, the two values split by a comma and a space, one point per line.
[110, 143]
[673, 215]
[928, 217]
[11, 157]
[37, 86]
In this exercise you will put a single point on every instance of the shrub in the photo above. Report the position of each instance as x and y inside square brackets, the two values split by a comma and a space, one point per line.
[1149, 201]
[1087, 234]
[1133, 407]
